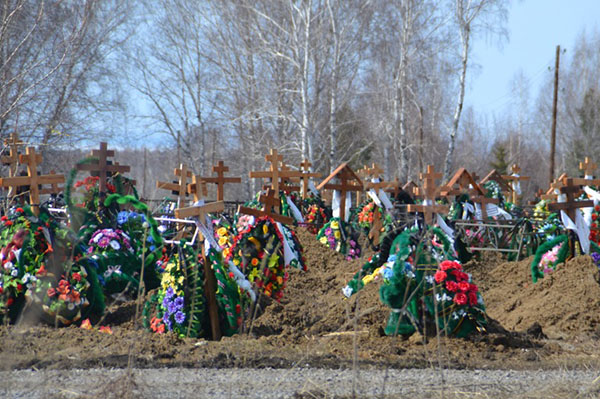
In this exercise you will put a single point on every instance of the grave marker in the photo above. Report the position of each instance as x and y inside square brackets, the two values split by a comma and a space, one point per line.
[429, 192]
[348, 182]
[220, 180]
[102, 167]
[181, 187]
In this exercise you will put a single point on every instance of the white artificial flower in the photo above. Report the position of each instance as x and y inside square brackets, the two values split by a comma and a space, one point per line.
[14, 273]
[455, 316]
[8, 265]
[25, 278]
[145, 225]
[429, 279]
[97, 238]
[162, 228]
[347, 291]
[115, 245]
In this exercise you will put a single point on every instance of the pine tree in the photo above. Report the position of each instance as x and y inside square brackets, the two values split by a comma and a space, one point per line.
[499, 163]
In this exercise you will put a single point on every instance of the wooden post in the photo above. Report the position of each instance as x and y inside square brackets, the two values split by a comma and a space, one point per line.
[554, 113]
[220, 179]
[210, 281]
[570, 206]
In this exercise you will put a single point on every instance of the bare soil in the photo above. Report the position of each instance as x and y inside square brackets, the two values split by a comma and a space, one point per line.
[550, 325]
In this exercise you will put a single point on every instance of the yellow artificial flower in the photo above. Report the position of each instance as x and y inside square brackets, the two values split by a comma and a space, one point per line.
[367, 279]
[169, 267]
[323, 240]
[180, 280]
[236, 262]
[253, 275]
[222, 241]
[256, 243]
[222, 231]
[335, 224]
[226, 252]
[265, 229]
[337, 234]
[280, 280]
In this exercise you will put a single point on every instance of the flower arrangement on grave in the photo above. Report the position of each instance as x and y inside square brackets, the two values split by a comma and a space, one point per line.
[225, 233]
[315, 218]
[549, 255]
[179, 304]
[594, 229]
[340, 237]
[367, 215]
[262, 251]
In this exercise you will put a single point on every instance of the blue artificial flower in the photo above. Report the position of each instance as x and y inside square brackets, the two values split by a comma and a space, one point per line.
[150, 239]
[122, 217]
[388, 273]
[171, 308]
[166, 301]
[152, 248]
[596, 258]
[179, 317]
[178, 303]
[167, 322]
[170, 293]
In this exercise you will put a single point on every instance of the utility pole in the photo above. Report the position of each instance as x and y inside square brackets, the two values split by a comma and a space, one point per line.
[554, 112]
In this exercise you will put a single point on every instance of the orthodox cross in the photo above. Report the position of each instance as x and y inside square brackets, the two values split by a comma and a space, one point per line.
[12, 159]
[394, 188]
[197, 188]
[555, 186]
[54, 188]
[179, 188]
[515, 178]
[286, 183]
[375, 172]
[429, 192]
[274, 173]
[362, 173]
[588, 167]
[103, 167]
[570, 206]
[210, 282]
[33, 180]
[306, 175]
[348, 181]
[270, 202]
[220, 179]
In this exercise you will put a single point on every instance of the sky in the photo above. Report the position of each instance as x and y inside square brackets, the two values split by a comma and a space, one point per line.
[535, 28]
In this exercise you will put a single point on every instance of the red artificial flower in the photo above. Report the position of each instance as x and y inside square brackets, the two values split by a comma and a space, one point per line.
[447, 264]
[473, 287]
[8, 223]
[51, 292]
[238, 309]
[594, 216]
[77, 277]
[464, 286]
[460, 299]
[4, 218]
[451, 286]
[106, 329]
[472, 298]
[86, 324]
[41, 271]
[597, 208]
[440, 276]
[231, 275]
[1, 290]
[19, 287]
[10, 301]
[20, 210]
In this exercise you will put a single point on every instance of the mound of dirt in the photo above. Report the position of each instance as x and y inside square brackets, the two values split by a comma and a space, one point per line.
[565, 304]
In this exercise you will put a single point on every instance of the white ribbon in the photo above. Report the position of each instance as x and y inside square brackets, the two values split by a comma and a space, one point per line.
[295, 211]
[371, 193]
[516, 184]
[288, 254]
[445, 228]
[312, 188]
[335, 205]
[385, 200]
[582, 230]
[468, 208]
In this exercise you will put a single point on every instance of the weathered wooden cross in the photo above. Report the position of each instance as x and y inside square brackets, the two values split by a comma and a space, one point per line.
[306, 176]
[54, 187]
[363, 174]
[275, 173]
[287, 183]
[515, 178]
[429, 192]
[270, 202]
[102, 167]
[554, 186]
[461, 183]
[348, 181]
[375, 172]
[220, 179]
[197, 188]
[179, 188]
[210, 281]
[570, 206]
[12, 159]
[33, 180]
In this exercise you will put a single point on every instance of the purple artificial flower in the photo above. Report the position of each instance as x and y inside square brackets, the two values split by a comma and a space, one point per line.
[103, 242]
[166, 301]
[167, 322]
[170, 293]
[596, 258]
[352, 243]
[328, 231]
[172, 308]
[179, 317]
[178, 303]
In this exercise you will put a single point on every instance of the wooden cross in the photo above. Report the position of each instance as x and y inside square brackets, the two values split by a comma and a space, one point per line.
[348, 181]
[54, 188]
[210, 281]
[274, 173]
[375, 172]
[461, 182]
[556, 185]
[12, 159]
[179, 188]
[570, 206]
[588, 167]
[197, 188]
[394, 187]
[286, 184]
[306, 175]
[31, 159]
[102, 166]
[220, 179]
[429, 192]
[412, 189]
[512, 178]
[270, 202]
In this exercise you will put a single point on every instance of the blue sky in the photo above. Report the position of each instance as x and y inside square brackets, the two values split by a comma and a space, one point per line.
[535, 28]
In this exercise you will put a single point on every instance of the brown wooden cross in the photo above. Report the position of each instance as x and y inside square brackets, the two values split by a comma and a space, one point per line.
[197, 188]
[274, 173]
[287, 183]
[31, 159]
[348, 181]
[570, 206]
[394, 187]
[180, 188]
[375, 172]
[588, 167]
[54, 187]
[461, 183]
[210, 282]
[12, 159]
[102, 167]
[556, 185]
[511, 178]
[220, 179]
[363, 174]
[306, 176]
[270, 202]
[429, 192]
